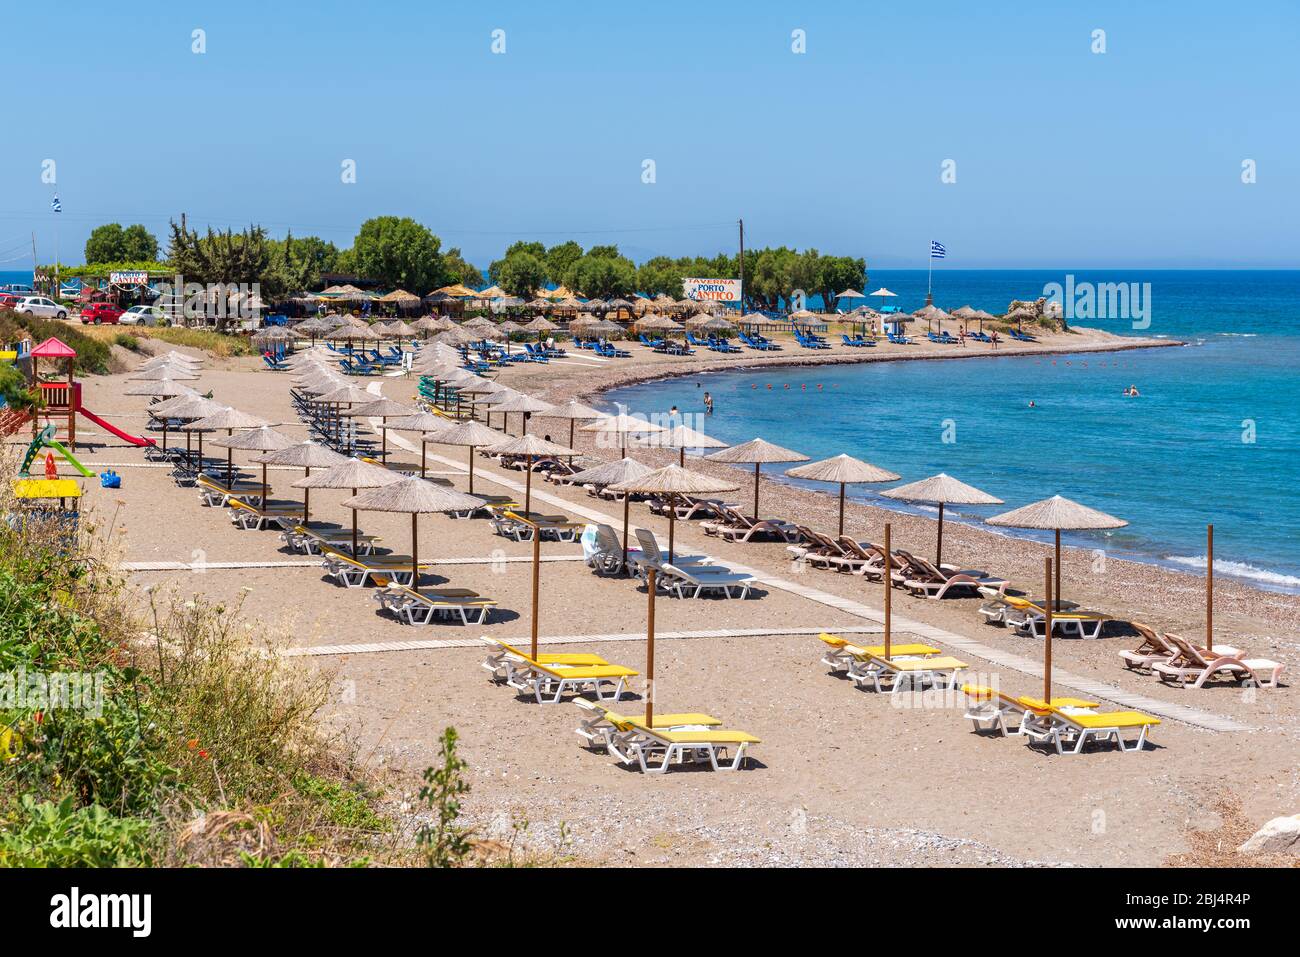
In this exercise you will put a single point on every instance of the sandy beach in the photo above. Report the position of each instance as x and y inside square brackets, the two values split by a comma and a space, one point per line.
[842, 776]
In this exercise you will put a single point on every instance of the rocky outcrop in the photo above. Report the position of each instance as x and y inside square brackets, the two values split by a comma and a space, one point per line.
[1279, 836]
[1042, 311]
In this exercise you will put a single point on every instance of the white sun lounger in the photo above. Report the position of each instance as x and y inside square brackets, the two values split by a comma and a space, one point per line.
[1070, 729]
[906, 671]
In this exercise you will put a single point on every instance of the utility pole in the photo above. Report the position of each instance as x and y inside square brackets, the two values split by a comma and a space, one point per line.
[742, 266]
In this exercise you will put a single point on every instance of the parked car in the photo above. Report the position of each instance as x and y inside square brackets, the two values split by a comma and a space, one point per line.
[40, 307]
[100, 312]
[9, 300]
[145, 316]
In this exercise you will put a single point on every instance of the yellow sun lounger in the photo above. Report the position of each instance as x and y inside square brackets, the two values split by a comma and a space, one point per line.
[937, 671]
[990, 709]
[601, 727]
[656, 750]
[548, 681]
[843, 653]
[420, 607]
[503, 658]
[1069, 730]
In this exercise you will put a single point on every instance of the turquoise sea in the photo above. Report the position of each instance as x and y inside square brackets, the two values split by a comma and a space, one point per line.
[1214, 437]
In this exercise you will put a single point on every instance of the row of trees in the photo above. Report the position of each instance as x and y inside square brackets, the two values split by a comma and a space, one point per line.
[398, 252]
[111, 243]
[772, 276]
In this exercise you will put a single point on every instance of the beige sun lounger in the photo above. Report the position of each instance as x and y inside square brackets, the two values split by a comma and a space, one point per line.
[935, 671]
[420, 607]
[358, 571]
[1198, 667]
[681, 739]
[1155, 648]
[313, 541]
[248, 516]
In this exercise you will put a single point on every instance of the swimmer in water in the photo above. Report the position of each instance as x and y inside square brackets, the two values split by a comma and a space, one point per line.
[1032, 404]
[1132, 391]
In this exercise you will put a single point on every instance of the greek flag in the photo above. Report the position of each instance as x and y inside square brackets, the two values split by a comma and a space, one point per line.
[55, 204]
[937, 250]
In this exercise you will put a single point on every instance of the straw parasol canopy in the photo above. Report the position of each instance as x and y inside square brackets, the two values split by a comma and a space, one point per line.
[230, 420]
[621, 426]
[380, 408]
[941, 490]
[168, 370]
[472, 434]
[532, 448]
[420, 422]
[575, 412]
[260, 439]
[539, 325]
[525, 405]
[161, 388]
[416, 497]
[1056, 513]
[305, 455]
[352, 474]
[610, 473]
[844, 469]
[681, 437]
[759, 452]
[673, 480]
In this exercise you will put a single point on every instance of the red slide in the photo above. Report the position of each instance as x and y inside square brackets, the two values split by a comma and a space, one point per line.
[109, 427]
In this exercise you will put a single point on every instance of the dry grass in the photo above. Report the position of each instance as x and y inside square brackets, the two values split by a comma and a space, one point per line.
[1217, 846]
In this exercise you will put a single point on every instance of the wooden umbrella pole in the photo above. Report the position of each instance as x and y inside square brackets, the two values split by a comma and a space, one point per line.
[424, 454]
[528, 484]
[938, 548]
[415, 552]
[266, 492]
[306, 499]
[681, 459]
[626, 500]
[537, 576]
[471, 470]
[756, 467]
[888, 589]
[1047, 633]
[1057, 593]
[1209, 587]
[672, 525]
[841, 509]
[354, 527]
[650, 648]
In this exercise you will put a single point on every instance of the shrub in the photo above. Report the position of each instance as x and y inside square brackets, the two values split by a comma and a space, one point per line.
[445, 842]
[127, 341]
[92, 354]
[45, 834]
[217, 343]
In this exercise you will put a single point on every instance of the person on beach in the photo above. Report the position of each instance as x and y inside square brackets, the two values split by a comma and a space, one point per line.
[995, 338]
[961, 337]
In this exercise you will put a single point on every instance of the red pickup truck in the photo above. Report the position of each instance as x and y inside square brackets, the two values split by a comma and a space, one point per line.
[99, 312]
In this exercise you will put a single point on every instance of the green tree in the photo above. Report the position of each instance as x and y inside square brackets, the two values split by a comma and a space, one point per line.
[522, 246]
[445, 842]
[459, 269]
[560, 258]
[138, 244]
[399, 253]
[520, 274]
[602, 273]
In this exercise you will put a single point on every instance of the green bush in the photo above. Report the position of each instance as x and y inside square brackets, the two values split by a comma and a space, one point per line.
[45, 834]
[92, 354]
[127, 341]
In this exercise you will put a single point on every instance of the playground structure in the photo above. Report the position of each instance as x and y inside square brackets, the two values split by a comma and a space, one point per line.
[45, 439]
[61, 398]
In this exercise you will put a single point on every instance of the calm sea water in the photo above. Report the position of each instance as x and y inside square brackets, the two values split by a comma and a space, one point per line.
[1213, 438]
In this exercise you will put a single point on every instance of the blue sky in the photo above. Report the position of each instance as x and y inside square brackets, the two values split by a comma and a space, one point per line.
[1064, 158]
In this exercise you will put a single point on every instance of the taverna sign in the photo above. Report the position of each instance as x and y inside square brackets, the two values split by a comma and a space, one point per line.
[712, 290]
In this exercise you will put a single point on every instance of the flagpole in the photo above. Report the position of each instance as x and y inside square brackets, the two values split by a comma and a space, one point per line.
[929, 275]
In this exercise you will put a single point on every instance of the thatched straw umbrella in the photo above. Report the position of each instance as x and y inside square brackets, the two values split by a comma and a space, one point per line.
[674, 480]
[540, 325]
[759, 452]
[532, 448]
[177, 372]
[159, 389]
[352, 474]
[575, 412]
[1056, 513]
[420, 422]
[380, 408]
[472, 434]
[344, 394]
[172, 355]
[614, 473]
[416, 497]
[681, 437]
[844, 469]
[305, 455]
[525, 405]
[941, 490]
[431, 324]
[230, 420]
[185, 408]
[261, 439]
[621, 426]
[669, 480]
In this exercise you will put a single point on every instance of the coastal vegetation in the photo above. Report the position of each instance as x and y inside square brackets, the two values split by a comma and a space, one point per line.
[111, 243]
[186, 739]
[93, 354]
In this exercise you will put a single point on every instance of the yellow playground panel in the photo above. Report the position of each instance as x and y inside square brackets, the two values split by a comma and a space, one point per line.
[29, 488]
